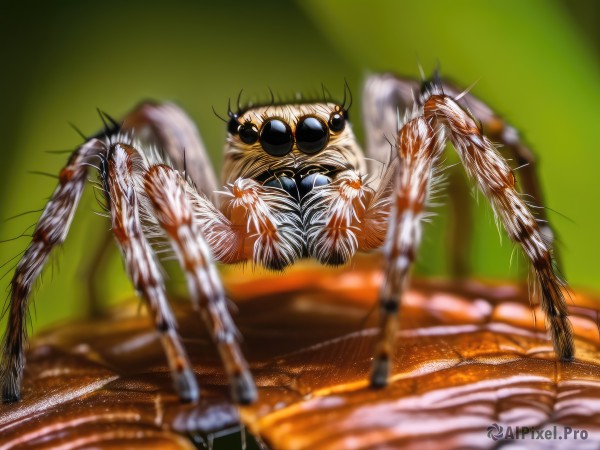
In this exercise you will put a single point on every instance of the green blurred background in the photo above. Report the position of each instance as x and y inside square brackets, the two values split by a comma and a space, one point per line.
[536, 62]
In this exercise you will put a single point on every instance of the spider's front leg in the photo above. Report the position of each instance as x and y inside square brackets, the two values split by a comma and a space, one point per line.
[122, 173]
[51, 230]
[175, 209]
[144, 271]
[169, 128]
[348, 215]
[144, 195]
[513, 146]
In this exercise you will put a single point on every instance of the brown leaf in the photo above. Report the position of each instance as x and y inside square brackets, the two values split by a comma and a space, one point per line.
[468, 356]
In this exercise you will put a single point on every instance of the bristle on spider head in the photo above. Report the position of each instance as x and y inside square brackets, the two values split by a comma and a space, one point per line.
[347, 87]
[322, 95]
[114, 126]
[431, 86]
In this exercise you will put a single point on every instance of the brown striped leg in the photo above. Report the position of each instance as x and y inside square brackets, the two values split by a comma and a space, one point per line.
[497, 130]
[168, 128]
[385, 95]
[171, 130]
[419, 147]
[174, 210]
[51, 231]
[386, 98]
[141, 264]
[495, 179]
[93, 272]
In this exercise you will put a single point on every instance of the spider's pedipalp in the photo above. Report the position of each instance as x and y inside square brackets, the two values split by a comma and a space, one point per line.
[140, 261]
[338, 219]
[51, 230]
[268, 221]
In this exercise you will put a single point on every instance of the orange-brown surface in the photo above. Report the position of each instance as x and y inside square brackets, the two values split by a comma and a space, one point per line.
[469, 355]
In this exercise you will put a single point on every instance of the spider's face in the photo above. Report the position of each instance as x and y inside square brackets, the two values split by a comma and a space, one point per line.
[289, 146]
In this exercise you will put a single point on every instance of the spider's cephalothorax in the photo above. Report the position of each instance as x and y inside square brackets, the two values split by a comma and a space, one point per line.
[266, 140]
[294, 186]
[302, 162]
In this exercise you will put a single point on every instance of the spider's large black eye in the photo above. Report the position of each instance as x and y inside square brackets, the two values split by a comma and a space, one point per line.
[311, 135]
[248, 133]
[276, 137]
[337, 122]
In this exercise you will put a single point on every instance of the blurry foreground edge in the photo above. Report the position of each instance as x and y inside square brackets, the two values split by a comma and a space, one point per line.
[472, 369]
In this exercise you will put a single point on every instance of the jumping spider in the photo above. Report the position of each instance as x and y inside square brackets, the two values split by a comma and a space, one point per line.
[295, 187]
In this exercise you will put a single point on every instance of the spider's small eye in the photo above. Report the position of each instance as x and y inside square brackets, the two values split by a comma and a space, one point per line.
[311, 135]
[233, 124]
[276, 137]
[248, 133]
[337, 121]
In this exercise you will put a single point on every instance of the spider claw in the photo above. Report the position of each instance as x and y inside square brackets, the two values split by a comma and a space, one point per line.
[380, 372]
[243, 389]
[10, 397]
[187, 387]
[11, 392]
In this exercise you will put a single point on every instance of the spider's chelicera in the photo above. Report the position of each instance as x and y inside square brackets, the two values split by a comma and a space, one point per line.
[294, 185]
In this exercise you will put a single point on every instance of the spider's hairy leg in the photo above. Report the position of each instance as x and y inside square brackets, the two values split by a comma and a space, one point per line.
[386, 96]
[497, 130]
[267, 223]
[168, 127]
[101, 250]
[141, 263]
[51, 230]
[419, 147]
[174, 209]
[496, 181]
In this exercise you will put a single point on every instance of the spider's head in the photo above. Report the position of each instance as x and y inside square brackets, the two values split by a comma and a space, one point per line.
[264, 140]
